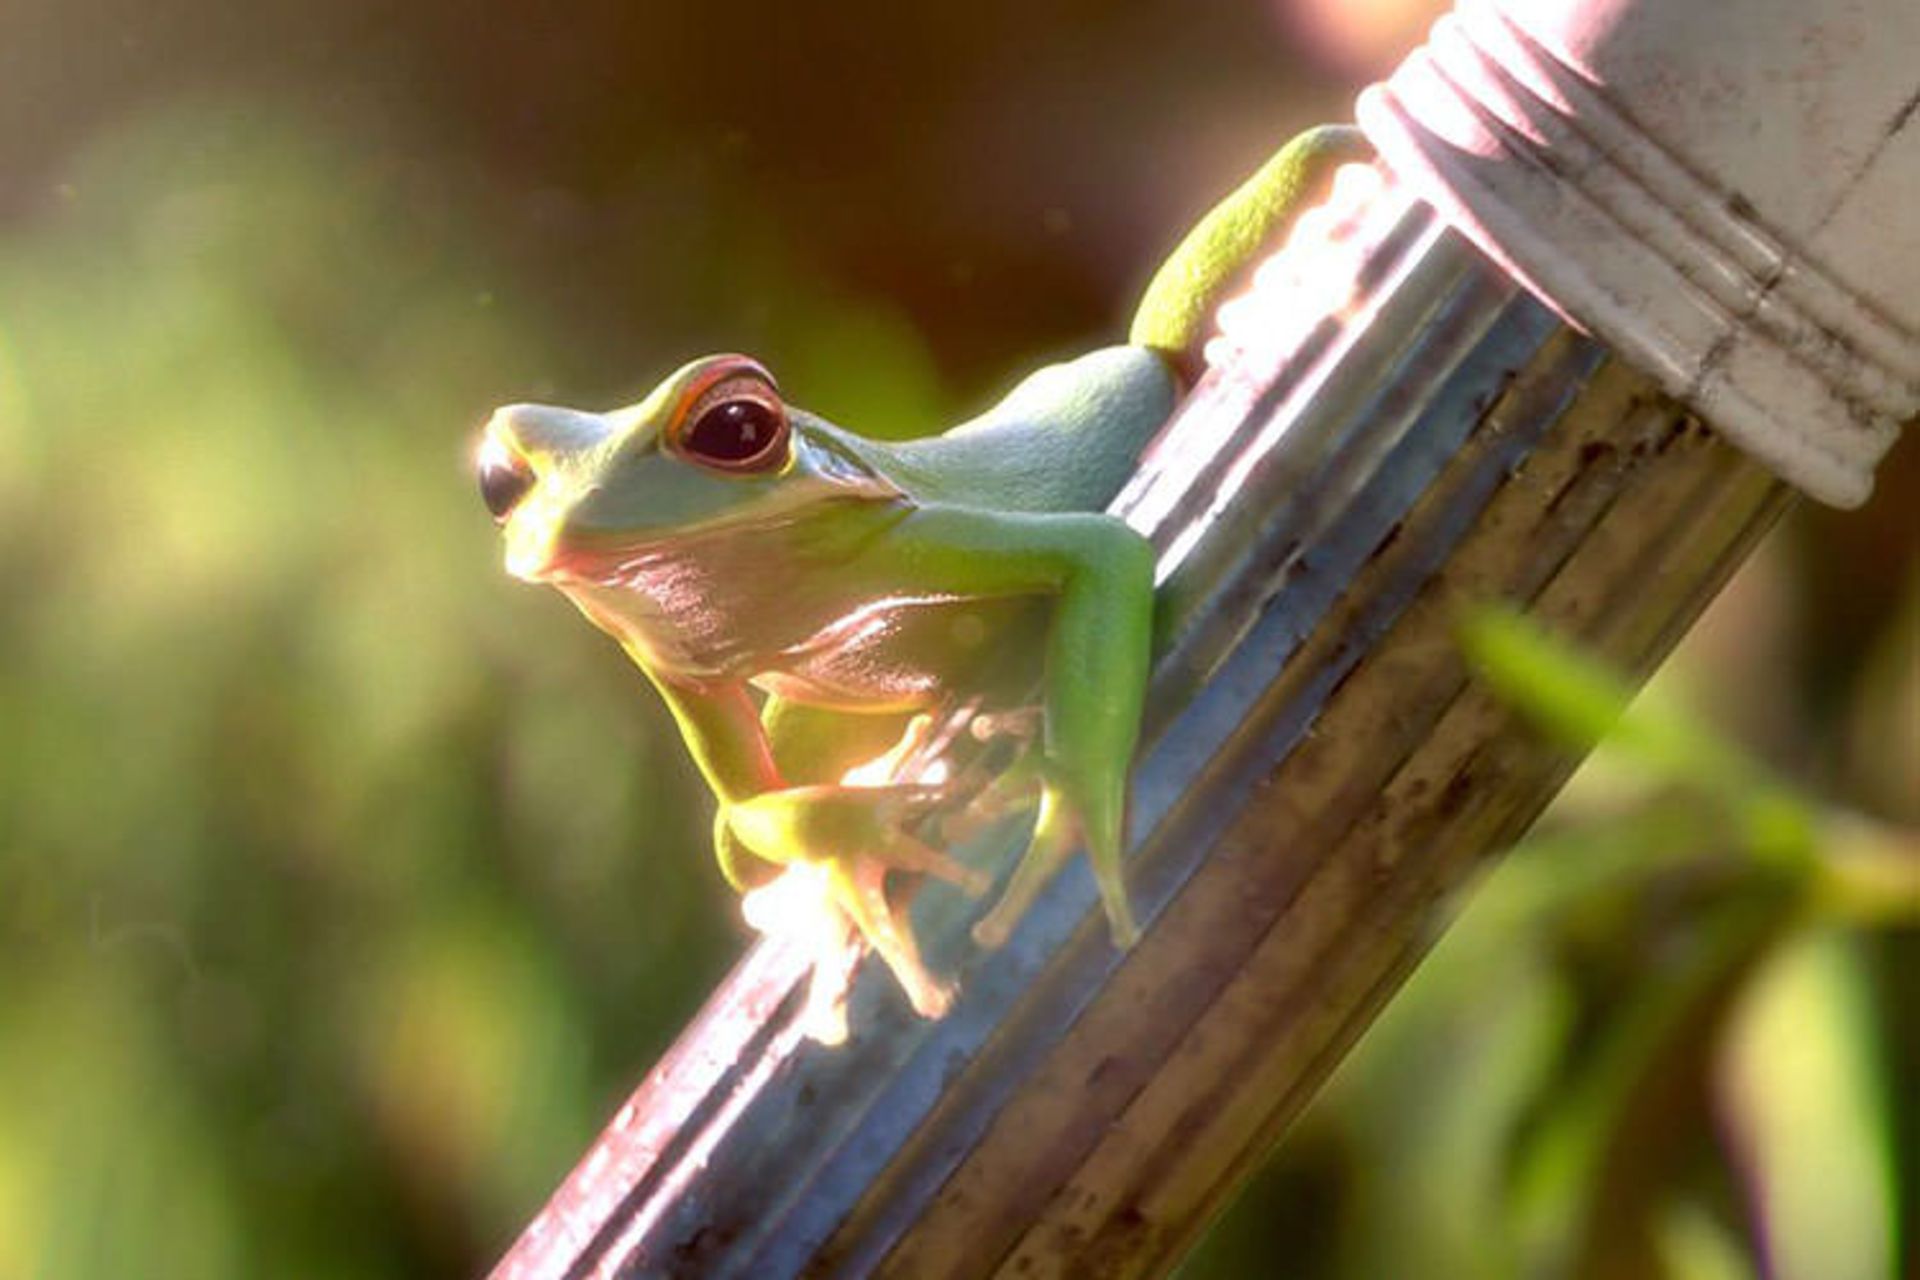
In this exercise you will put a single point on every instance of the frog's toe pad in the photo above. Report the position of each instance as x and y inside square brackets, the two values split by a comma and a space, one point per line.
[991, 932]
[798, 908]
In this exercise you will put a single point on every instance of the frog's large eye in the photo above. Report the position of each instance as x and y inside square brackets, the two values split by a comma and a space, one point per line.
[736, 424]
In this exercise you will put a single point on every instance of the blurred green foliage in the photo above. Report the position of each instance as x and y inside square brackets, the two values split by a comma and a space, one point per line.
[344, 881]
[1662, 1039]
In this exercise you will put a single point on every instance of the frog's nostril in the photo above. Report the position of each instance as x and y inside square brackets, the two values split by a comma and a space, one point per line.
[505, 478]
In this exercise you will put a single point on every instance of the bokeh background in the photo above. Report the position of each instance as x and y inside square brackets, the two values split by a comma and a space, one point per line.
[346, 886]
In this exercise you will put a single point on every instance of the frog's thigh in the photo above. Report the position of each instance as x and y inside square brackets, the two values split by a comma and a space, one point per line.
[1099, 574]
[817, 745]
[1176, 312]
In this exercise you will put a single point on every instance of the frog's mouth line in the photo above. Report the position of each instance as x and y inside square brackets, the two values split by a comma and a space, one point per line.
[546, 551]
[610, 563]
[610, 559]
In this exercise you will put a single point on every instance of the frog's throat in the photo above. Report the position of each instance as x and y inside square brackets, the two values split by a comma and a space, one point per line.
[607, 557]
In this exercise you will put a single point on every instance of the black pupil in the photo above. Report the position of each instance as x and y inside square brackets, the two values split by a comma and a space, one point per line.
[733, 431]
[503, 482]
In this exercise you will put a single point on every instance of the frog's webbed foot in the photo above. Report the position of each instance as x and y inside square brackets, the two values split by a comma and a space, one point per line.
[798, 907]
[836, 824]
[839, 844]
[860, 890]
[1021, 723]
[1057, 829]
[991, 797]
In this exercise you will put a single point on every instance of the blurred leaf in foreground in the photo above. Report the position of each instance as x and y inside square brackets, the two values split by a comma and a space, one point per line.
[1649, 1046]
[1800, 1093]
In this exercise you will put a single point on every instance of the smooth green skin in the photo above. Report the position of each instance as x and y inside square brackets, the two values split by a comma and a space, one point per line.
[865, 583]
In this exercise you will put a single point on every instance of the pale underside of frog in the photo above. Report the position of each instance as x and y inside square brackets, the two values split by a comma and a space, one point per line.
[823, 613]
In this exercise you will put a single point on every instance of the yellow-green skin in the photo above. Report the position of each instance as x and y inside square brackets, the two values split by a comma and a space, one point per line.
[857, 583]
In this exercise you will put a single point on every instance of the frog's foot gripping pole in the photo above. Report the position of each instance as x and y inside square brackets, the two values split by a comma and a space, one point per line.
[1055, 835]
[841, 843]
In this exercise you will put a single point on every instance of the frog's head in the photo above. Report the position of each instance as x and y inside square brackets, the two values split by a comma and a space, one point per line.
[712, 448]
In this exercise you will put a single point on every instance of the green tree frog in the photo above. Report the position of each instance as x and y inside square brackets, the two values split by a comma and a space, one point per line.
[804, 599]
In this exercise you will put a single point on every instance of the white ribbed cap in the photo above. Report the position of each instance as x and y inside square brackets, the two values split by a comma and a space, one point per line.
[1725, 191]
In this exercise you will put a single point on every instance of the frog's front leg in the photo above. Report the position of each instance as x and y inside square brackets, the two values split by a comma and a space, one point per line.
[853, 837]
[842, 840]
[1099, 574]
[722, 731]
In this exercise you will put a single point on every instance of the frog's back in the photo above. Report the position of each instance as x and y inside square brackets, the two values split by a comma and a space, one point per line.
[1066, 439]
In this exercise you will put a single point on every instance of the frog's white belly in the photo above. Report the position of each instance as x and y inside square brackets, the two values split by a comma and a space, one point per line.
[902, 652]
[689, 618]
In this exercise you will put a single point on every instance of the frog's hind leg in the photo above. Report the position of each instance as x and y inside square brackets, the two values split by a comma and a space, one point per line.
[860, 887]
[1055, 833]
[1216, 258]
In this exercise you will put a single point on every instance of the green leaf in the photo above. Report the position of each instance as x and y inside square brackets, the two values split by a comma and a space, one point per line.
[1580, 703]
[1696, 1246]
[1805, 1109]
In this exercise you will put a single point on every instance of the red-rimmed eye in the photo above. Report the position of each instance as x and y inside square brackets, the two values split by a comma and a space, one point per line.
[737, 424]
[733, 433]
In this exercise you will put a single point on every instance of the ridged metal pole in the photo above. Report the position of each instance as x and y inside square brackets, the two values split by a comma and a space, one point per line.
[1393, 430]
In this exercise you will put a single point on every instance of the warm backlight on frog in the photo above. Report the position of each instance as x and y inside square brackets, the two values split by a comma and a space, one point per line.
[816, 908]
[798, 906]
[799, 593]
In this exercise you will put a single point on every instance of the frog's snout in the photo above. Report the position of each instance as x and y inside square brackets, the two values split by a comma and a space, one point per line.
[540, 431]
[516, 438]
